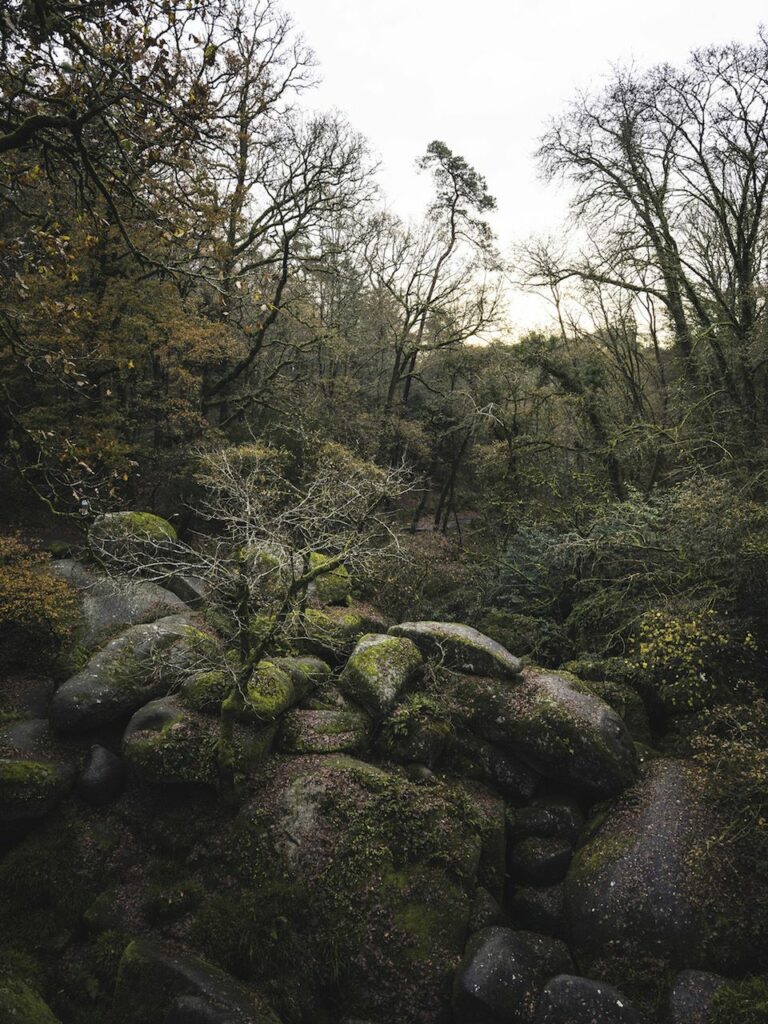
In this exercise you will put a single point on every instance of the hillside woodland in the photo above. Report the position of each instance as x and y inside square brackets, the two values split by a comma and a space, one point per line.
[362, 659]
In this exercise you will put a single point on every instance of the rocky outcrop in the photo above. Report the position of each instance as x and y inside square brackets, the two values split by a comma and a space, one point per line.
[641, 882]
[461, 648]
[117, 680]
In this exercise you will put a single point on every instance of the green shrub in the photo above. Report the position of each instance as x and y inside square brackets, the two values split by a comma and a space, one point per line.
[692, 660]
[740, 1002]
[39, 612]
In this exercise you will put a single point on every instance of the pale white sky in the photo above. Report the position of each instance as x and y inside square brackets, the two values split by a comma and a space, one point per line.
[485, 76]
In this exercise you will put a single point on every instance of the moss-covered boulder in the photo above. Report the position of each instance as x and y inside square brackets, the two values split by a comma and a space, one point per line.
[350, 887]
[502, 974]
[564, 734]
[31, 789]
[151, 978]
[547, 817]
[327, 731]
[206, 690]
[470, 757]
[460, 647]
[276, 685]
[20, 1004]
[648, 882]
[625, 701]
[539, 861]
[332, 586]
[332, 633]
[165, 742]
[130, 526]
[418, 730]
[117, 680]
[379, 668]
[110, 604]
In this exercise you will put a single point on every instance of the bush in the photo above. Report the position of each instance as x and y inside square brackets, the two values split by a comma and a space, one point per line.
[693, 660]
[38, 611]
[731, 744]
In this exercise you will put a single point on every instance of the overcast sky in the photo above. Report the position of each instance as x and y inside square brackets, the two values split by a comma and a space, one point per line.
[485, 76]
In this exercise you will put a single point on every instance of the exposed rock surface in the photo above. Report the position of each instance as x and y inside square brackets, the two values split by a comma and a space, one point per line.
[377, 671]
[102, 778]
[562, 733]
[570, 1000]
[151, 979]
[109, 604]
[691, 996]
[118, 679]
[641, 881]
[541, 861]
[461, 648]
[502, 974]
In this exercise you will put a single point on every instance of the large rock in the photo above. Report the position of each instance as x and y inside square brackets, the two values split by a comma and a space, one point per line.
[502, 973]
[109, 604]
[117, 680]
[568, 736]
[19, 1004]
[102, 778]
[30, 789]
[332, 633]
[277, 684]
[165, 742]
[378, 670]
[691, 996]
[539, 861]
[548, 817]
[570, 1000]
[461, 648]
[151, 979]
[475, 758]
[332, 586]
[325, 731]
[130, 526]
[367, 864]
[649, 883]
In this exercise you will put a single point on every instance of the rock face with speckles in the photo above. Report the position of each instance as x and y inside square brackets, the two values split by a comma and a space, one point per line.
[502, 974]
[570, 737]
[691, 996]
[461, 648]
[108, 604]
[117, 680]
[643, 884]
[570, 1000]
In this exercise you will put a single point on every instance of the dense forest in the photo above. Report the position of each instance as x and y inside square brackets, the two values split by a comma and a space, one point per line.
[362, 657]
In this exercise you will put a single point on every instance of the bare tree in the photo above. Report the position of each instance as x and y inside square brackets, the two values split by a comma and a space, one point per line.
[670, 169]
[260, 557]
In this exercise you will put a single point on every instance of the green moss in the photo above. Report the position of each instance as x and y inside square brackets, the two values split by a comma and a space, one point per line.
[333, 586]
[599, 854]
[205, 691]
[270, 691]
[19, 1004]
[134, 526]
[28, 788]
[740, 1002]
